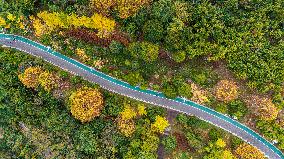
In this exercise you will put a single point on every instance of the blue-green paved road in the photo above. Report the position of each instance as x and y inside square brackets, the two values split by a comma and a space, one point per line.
[148, 96]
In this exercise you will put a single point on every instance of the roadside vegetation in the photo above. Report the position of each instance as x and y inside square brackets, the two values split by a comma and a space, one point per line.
[225, 55]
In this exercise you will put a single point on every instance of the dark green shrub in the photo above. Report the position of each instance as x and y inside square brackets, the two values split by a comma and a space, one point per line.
[162, 10]
[182, 118]
[179, 56]
[222, 108]
[169, 143]
[116, 47]
[86, 141]
[235, 142]
[237, 108]
[144, 50]
[184, 90]
[215, 134]
[134, 78]
[153, 31]
[170, 91]
[152, 112]
[194, 140]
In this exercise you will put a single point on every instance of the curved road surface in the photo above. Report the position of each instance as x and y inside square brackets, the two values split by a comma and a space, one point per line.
[148, 96]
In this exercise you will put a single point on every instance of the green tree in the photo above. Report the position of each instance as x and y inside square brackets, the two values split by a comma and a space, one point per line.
[237, 108]
[194, 140]
[169, 143]
[184, 90]
[153, 31]
[179, 56]
[162, 10]
[144, 50]
[170, 90]
[86, 140]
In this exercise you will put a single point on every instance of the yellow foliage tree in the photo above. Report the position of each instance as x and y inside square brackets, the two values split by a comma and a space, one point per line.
[125, 8]
[141, 109]
[30, 77]
[2, 22]
[12, 20]
[128, 113]
[226, 91]
[82, 55]
[262, 107]
[220, 143]
[86, 104]
[126, 127]
[226, 154]
[246, 151]
[48, 22]
[160, 124]
[38, 26]
[11, 17]
[48, 80]
[198, 95]
[103, 6]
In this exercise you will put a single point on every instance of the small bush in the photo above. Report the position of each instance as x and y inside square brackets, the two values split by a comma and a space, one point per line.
[237, 108]
[153, 31]
[179, 56]
[86, 104]
[144, 50]
[226, 90]
[169, 143]
[215, 134]
[30, 77]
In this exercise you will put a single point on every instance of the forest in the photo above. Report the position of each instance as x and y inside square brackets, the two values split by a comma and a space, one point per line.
[225, 55]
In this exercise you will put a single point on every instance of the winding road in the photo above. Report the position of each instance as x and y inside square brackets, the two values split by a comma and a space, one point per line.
[148, 96]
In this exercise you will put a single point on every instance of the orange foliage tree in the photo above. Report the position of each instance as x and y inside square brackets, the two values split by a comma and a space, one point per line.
[125, 8]
[126, 127]
[262, 107]
[86, 104]
[48, 80]
[246, 151]
[30, 77]
[226, 90]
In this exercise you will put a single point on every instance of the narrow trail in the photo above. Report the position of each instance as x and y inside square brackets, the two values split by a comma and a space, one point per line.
[148, 96]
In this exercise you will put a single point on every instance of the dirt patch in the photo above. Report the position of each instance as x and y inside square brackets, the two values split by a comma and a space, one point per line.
[60, 92]
[182, 143]
[166, 59]
[1, 133]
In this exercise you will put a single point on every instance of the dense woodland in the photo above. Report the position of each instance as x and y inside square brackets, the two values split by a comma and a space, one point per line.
[226, 55]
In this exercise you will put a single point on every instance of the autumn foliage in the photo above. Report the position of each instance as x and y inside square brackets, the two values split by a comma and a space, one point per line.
[125, 8]
[48, 80]
[82, 54]
[34, 77]
[128, 113]
[198, 95]
[30, 77]
[126, 127]
[262, 107]
[86, 104]
[226, 90]
[160, 124]
[46, 22]
[246, 151]
[92, 37]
